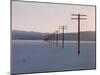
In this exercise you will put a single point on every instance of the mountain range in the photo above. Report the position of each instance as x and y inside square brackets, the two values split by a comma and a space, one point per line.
[24, 35]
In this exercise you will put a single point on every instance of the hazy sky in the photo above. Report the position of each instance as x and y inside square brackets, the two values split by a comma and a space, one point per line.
[43, 17]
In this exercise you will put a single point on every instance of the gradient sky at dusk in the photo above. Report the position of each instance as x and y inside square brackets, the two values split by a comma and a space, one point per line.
[44, 17]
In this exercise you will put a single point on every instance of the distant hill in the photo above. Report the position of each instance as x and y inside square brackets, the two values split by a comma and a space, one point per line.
[23, 35]
[84, 36]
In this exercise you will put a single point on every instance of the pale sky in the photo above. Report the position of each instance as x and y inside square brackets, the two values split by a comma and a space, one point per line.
[44, 17]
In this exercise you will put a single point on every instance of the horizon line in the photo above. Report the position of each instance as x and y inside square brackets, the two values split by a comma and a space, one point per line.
[50, 32]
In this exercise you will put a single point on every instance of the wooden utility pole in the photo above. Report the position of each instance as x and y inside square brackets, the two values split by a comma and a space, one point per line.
[57, 37]
[63, 28]
[78, 19]
[53, 38]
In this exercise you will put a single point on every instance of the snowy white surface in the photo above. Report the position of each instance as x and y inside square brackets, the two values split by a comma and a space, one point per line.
[40, 56]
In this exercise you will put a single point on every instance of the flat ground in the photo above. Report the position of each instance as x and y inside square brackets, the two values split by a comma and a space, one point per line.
[40, 56]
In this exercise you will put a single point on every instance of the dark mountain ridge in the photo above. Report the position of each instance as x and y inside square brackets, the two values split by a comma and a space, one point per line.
[24, 35]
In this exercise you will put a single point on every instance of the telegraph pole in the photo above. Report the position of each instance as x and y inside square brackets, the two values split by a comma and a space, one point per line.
[79, 19]
[63, 28]
[53, 38]
[57, 37]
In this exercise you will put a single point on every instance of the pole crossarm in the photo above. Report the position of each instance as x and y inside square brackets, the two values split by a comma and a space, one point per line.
[79, 14]
[63, 26]
[80, 18]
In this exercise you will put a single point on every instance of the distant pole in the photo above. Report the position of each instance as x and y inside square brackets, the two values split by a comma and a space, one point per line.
[53, 38]
[78, 15]
[57, 37]
[63, 28]
[63, 37]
